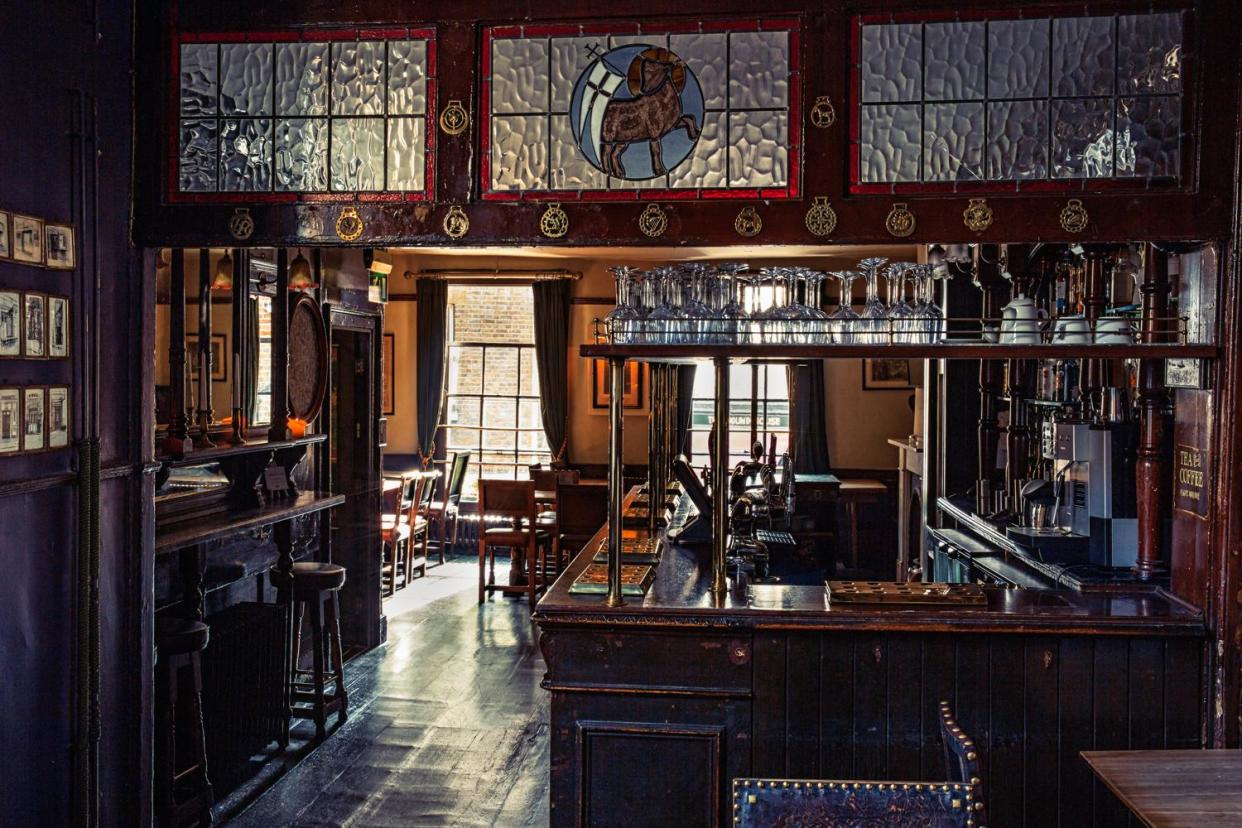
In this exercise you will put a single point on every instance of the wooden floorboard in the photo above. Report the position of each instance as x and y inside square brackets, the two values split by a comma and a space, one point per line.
[447, 727]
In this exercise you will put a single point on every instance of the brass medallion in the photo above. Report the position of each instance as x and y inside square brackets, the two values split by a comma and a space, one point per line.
[748, 223]
[454, 119]
[1074, 216]
[241, 224]
[349, 225]
[821, 219]
[554, 222]
[822, 113]
[978, 215]
[456, 223]
[653, 221]
[900, 221]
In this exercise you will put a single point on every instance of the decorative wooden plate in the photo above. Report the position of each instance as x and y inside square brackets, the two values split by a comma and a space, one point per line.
[308, 358]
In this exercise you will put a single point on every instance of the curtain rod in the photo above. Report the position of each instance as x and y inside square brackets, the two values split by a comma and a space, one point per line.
[535, 275]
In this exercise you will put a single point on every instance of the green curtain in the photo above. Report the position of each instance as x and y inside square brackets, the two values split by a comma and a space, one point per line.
[685, 408]
[430, 354]
[806, 415]
[250, 382]
[551, 360]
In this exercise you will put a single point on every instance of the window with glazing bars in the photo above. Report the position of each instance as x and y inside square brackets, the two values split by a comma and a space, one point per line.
[758, 409]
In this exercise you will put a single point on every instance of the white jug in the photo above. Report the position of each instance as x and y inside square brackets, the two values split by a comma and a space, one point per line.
[1022, 321]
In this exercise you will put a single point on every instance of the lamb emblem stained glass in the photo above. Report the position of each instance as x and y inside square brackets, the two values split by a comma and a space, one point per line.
[636, 112]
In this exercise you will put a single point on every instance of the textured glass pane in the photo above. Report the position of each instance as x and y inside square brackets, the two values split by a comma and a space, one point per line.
[705, 56]
[463, 410]
[198, 78]
[405, 154]
[892, 62]
[1149, 53]
[953, 140]
[1149, 136]
[466, 371]
[1082, 138]
[954, 61]
[357, 154]
[570, 170]
[706, 165]
[1017, 140]
[519, 75]
[519, 152]
[246, 79]
[301, 79]
[529, 378]
[499, 413]
[196, 169]
[1017, 58]
[1082, 56]
[357, 79]
[302, 154]
[758, 149]
[890, 141]
[407, 77]
[569, 58]
[758, 69]
[246, 154]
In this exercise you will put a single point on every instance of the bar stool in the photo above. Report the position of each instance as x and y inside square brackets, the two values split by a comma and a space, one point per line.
[315, 587]
[182, 790]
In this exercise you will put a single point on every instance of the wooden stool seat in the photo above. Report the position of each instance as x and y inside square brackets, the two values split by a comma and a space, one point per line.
[310, 577]
[177, 636]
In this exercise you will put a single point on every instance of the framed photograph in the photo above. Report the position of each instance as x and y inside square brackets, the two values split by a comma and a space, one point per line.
[58, 327]
[10, 323]
[34, 325]
[10, 420]
[27, 239]
[886, 375]
[219, 356]
[633, 396]
[60, 249]
[6, 240]
[390, 374]
[34, 419]
[57, 416]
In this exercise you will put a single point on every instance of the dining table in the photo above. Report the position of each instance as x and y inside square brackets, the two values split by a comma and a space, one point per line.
[1174, 788]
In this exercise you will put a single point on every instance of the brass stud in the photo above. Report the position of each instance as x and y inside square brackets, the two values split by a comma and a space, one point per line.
[751, 799]
[972, 756]
[900, 221]
[785, 784]
[974, 780]
[978, 806]
[868, 786]
[554, 223]
[797, 784]
[819, 785]
[955, 802]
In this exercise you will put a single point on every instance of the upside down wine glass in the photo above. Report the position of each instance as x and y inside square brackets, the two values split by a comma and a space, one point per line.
[844, 320]
[874, 323]
[622, 321]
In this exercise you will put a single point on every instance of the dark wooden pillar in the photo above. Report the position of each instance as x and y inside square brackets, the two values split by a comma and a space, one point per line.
[241, 304]
[1020, 387]
[991, 381]
[177, 442]
[1152, 468]
[202, 437]
[1093, 376]
[280, 350]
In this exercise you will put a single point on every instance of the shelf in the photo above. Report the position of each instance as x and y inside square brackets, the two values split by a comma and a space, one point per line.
[199, 456]
[218, 526]
[946, 350]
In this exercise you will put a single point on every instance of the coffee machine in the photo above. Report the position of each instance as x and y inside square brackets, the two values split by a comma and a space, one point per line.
[1093, 478]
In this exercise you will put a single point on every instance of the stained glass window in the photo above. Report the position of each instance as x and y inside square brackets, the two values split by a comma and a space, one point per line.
[622, 108]
[964, 102]
[287, 116]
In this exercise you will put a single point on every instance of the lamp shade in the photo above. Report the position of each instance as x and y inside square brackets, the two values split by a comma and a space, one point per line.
[223, 280]
[300, 277]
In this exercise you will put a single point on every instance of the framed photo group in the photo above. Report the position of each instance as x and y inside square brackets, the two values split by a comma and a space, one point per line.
[34, 419]
[33, 241]
[34, 325]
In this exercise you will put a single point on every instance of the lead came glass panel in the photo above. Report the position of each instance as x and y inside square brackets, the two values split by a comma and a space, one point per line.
[758, 156]
[357, 161]
[405, 154]
[705, 55]
[706, 166]
[199, 69]
[758, 70]
[246, 79]
[246, 154]
[1017, 140]
[1149, 56]
[520, 75]
[301, 79]
[1017, 58]
[358, 78]
[953, 141]
[407, 77]
[519, 152]
[1082, 138]
[1152, 126]
[1083, 62]
[891, 143]
[954, 61]
[302, 155]
[199, 154]
[569, 170]
[892, 62]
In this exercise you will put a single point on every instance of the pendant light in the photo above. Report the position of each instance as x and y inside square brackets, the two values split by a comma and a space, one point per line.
[223, 279]
[300, 277]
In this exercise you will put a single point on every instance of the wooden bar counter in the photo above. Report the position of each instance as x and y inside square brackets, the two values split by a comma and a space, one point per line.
[659, 704]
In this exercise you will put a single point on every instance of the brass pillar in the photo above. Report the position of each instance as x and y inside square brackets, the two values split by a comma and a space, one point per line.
[616, 480]
[204, 415]
[1152, 473]
[720, 479]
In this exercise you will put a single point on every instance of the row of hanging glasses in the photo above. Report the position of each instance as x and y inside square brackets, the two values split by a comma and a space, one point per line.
[728, 303]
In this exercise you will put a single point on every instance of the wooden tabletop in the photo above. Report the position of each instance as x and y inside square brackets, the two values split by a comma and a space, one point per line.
[1174, 788]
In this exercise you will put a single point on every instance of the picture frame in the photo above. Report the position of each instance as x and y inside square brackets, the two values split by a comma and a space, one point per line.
[59, 250]
[58, 326]
[10, 420]
[633, 387]
[34, 418]
[10, 323]
[6, 238]
[27, 239]
[58, 414]
[886, 375]
[389, 386]
[34, 325]
[219, 356]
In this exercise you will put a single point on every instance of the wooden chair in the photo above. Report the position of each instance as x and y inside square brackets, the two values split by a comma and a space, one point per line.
[580, 511]
[957, 803]
[415, 556]
[396, 528]
[440, 512]
[508, 508]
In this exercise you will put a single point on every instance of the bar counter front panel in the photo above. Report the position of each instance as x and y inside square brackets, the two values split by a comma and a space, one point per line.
[659, 704]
